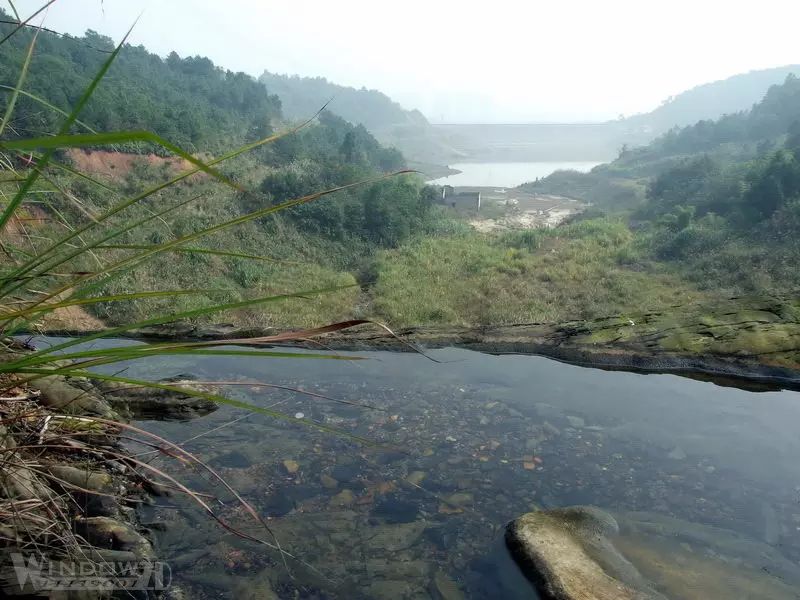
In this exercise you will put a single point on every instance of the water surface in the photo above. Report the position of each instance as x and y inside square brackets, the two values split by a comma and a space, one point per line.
[466, 444]
[507, 174]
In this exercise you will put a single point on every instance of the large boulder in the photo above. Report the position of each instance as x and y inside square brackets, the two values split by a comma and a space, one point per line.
[568, 554]
[584, 553]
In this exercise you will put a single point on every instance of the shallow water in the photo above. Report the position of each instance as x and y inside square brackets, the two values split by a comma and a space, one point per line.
[482, 439]
[508, 174]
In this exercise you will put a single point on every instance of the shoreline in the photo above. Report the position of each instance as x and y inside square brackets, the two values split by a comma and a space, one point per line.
[529, 340]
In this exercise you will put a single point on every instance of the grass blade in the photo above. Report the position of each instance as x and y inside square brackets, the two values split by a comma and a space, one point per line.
[44, 102]
[25, 22]
[6, 215]
[20, 81]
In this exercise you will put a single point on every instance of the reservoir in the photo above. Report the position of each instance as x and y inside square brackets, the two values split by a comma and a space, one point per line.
[507, 174]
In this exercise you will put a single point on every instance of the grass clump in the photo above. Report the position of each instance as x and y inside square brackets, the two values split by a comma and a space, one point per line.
[578, 271]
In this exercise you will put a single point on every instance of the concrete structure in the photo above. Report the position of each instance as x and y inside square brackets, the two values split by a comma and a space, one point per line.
[461, 199]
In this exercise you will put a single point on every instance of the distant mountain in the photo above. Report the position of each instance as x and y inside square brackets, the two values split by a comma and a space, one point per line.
[407, 130]
[709, 101]
[303, 96]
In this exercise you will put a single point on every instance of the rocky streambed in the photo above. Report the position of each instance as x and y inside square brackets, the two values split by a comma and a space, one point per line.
[461, 447]
[396, 476]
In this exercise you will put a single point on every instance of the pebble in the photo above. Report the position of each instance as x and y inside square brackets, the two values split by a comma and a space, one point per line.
[576, 422]
[328, 482]
[447, 588]
[677, 453]
[460, 499]
[291, 466]
[416, 477]
[343, 498]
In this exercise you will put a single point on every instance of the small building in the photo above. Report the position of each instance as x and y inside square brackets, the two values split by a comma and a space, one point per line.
[454, 199]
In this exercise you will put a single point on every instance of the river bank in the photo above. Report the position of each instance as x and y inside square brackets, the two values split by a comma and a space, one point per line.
[72, 486]
[741, 340]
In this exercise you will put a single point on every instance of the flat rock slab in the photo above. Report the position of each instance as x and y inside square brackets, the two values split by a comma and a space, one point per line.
[584, 553]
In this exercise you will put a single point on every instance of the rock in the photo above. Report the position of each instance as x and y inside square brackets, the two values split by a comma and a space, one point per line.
[19, 483]
[416, 477]
[393, 509]
[250, 590]
[142, 402]
[391, 589]
[576, 422]
[106, 532]
[677, 453]
[393, 538]
[378, 568]
[348, 473]
[583, 553]
[343, 498]
[696, 562]
[566, 552]
[550, 429]
[460, 499]
[328, 482]
[446, 588]
[279, 503]
[58, 394]
[291, 466]
[94, 481]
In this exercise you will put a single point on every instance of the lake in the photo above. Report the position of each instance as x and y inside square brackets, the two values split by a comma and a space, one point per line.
[507, 174]
[458, 448]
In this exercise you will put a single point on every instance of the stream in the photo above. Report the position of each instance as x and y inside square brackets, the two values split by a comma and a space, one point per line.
[461, 445]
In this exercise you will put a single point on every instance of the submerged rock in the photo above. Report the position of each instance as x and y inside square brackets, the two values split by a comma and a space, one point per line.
[142, 402]
[567, 553]
[445, 588]
[584, 553]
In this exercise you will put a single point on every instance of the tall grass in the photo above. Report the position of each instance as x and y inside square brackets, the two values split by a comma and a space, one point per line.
[88, 251]
[578, 271]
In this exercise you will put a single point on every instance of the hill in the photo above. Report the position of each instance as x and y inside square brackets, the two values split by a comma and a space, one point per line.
[602, 141]
[407, 130]
[189, 101]
[709, 101]
[208, 111]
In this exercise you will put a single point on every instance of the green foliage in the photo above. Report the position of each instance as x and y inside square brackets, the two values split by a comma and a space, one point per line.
[303, 96]
[572, 272]
[188, 101]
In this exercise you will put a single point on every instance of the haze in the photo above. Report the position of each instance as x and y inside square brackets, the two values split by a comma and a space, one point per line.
[503, 61]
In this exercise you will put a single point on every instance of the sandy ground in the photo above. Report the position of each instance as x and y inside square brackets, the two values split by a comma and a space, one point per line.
[529, 212]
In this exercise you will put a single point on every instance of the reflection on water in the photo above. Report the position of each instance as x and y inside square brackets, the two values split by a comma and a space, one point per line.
[466, 445]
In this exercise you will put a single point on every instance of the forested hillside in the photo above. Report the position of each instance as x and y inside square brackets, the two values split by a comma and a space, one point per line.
[189, 101]
[393, 125]
[720, 199]
[209, 111]
[303, 96]
[712, 100]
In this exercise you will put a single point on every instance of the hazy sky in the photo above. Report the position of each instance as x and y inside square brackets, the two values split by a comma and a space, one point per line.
[462, 61]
